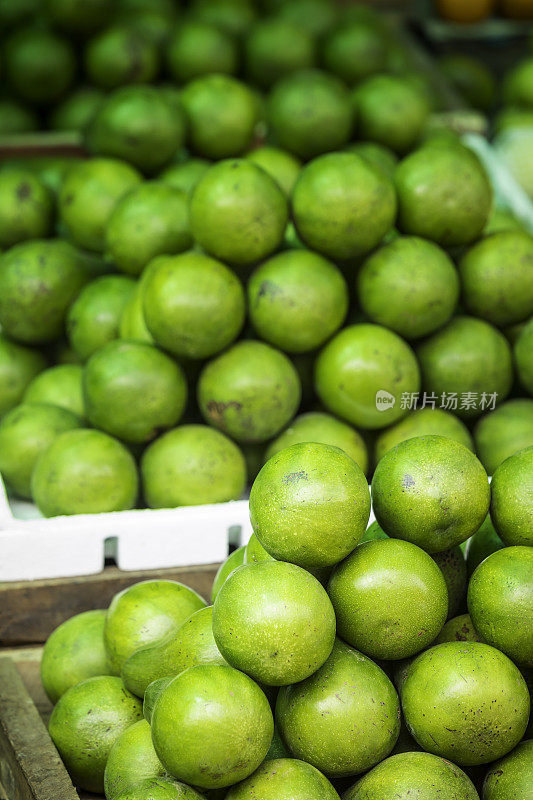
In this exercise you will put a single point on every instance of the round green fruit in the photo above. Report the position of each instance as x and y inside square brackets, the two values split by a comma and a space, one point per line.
[16, 118]
[234, 17]
[18, 367]
[132, 759]
[58, 386]
[502, 432]
[153, 690]
[76, 111]
[282, 166]
[354, 50]
[511, 507]
[511, 777]
[425, 421]
[482, 544]
[234, 560]
[317, 17]
[523, 350]
[185, 175]
[26, 207]
[39, 65]
[452, 564]
[197, 48]
[159, 789]
[517, 89]
[254, 552]
[471, 78]
[284, 776]
[458, 629]
[120, 55]
[275, 48]
[376, 154]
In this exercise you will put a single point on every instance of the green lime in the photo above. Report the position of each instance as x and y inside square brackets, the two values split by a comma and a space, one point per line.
[250, 391]
[288, 776]
[502, 432]
[376, 616]
[423, 422]
[131, 759]
[511, 507]
[458, 629]
[309, 112]
[186, 174]
[310, 505]
[58, 386]
[297, 300]
[518, 85]
[342, 205]
[467, 366]
[197, 48]
[84, 472]
[317, 17]
[193, 305]
[274, 48]
[471, 77]
[234, 560]
[39, 65]
[484, 542]
[376, 154]
[523, 354]
[151, 220]
[234, 17]
[192, 465]
[279, 164]
[18, 367]
[317, 426]
[120, 55]
[362, 373]
[354, 50]
[159, 789]
[132, 322]
[444, 194]
[16, 118]
[254, 552]
[452, 564]
[238, 212]
[153, 690]
[512, 776]
[431, 491]
[76, 111]
[26, 207]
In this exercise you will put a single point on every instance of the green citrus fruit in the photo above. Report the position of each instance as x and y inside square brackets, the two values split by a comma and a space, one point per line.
[39, 65]
[423, 422]
[377, 154]
[18, 367]
[186, 174]
[512, 776]
[26, 207]
[502, 432]
[197, 48]
[517, 88]
[484, 542]
[458, 629]
[279, 164]
[274, 48]
[511, 508]
[279, 776]
[355, 50]
[254, 552]
[472, 79]
[316, 17]
[523, 353]
[234, 560]
[159, 789]
[231, 16]
[452, 564]
[120, 55]
[76, 111]
[16, 118]
[153, 690]
[131, 759]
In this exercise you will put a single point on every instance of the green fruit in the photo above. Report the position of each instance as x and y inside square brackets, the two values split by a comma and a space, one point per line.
[197, 49]
[234, 560]
[392, 111]
[132, 323]
[431, 491]
[500, 602]
[342, 205]
[497, 278]
[373, 532]
[444, 195]
[222, 114]
[238, 212]
[18, 366]
[413, 776]
[86, 723]
[274, 621]
[193, 717]
[362, 373]
[282, 166]
[501, 220]
[502, 432]
[376, 154]
[452, 564]
[458, 629]
[310, 505]
[376, 616]
[277, 748]
[344, 718]
[423, 422]
[274, 48]
[137, 124]
[468, 365]
[132, 759]
[511, 777]
[120, 55]
[354, 51]
[77, 110]
[484, 542]
[133, 391]
[38, 282]
[309, 113]
[153, 690]
[410, 286]
[88, 196]
[254, 552]
[159, 789]
[297, 300]
[39, 66]
[26, 207]
[192, 465]
[193, 305]
[58, 386]
[250, 392]
[15, 118]
[317, 17]
[471, 78]
[316, 426]
[73, 652]
[185, 175]
[511, 507]
[284, 776]
[191, 644]
[25, 433]
[466, 702]
[144, 614]
[234, 17]
[93, 319]
[523, 350]
[517, 88]
[84, 472]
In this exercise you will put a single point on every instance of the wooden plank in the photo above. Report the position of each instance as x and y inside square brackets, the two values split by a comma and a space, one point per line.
[30, 610]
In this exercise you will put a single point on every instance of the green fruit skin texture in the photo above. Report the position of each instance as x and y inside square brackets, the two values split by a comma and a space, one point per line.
[76, 110]
[192, 465]
[523, 350]
[234, 560]
[410, 286]
[85, 724]
[354, 50]
[284, 777]
[467, 355]
[193, 643]
[423, 422]
[274, 621]
[193, 305]
[131, 760]
[58, 386]
[39, 65]
[74, 652]
[38, 282]
[282, 166]
[497, 278]
[26, 208]
[343, 205]
[413, 776]
[25, 432]
[373, 593]
[315, 426]
[431, 491]
[502, 432]
[484, 542]
[512, 777]
[153, 690]
[212, 726]
[466, 702]
[238, 212]
[84, 472]
[511, 507]
[343, 719]
[144, 614]
[500, 602]
[310, 505]
[254, 552]
[185, 175]
[275, 48]
[18, 367]
[120, 55]
[198, 49]
[250, 392]
[132, 390]
[159, 789]
[452, 564]
[360, 361]
[458, 629]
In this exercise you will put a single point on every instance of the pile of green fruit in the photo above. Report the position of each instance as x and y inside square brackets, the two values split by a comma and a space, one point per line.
[379, 663]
